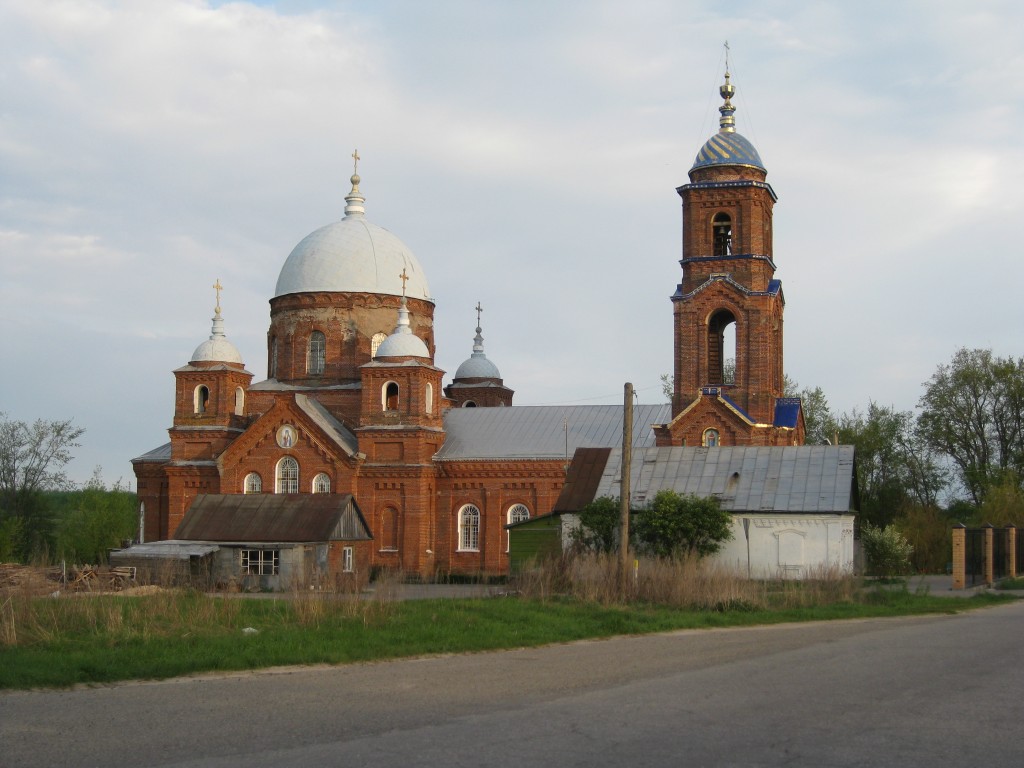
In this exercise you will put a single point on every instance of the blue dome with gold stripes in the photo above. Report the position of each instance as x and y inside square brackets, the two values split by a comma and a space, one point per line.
[727, 147]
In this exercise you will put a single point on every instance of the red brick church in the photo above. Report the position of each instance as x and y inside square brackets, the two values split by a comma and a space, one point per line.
[424, 475]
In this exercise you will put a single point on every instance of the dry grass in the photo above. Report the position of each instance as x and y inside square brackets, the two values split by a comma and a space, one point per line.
[691, 583]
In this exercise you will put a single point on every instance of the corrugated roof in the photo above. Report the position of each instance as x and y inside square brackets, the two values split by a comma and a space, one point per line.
[538, 431]
[792, 479]
[268, 517]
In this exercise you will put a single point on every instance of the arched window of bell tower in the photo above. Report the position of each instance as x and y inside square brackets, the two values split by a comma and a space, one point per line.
[389, 396]
[722, 347]
[721, 230]
[201, 398]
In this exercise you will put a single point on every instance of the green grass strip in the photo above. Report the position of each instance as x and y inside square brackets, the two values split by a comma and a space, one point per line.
[118, 639]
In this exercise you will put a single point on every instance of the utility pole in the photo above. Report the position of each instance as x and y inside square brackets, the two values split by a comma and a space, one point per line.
[627, 460]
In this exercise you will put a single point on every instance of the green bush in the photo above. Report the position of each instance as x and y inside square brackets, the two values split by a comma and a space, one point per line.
[600, 522]
[674, 525]
[886, 550]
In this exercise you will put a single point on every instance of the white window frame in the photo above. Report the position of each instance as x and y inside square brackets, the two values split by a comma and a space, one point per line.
[239, 401]
[517, 513]
[261, 562]
[347, 560]
[469, 528]
[286, 483]
[253, 483]
[322, 483]
[316, 353]
[429, 398]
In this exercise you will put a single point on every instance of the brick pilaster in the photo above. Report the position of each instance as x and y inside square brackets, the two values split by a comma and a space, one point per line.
[959, 556]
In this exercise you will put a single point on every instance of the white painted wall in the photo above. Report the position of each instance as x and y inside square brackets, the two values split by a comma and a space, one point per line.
[796, 546]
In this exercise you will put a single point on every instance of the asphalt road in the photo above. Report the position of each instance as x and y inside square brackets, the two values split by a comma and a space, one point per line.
[897, 692]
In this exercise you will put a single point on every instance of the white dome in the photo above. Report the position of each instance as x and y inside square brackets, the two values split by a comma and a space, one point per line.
[352, 255]
[399, 344]
[402, 340]
[217, 351]
[217, 348]
[477, 367]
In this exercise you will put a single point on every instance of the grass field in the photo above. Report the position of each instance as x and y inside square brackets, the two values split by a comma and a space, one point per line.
[54, 642]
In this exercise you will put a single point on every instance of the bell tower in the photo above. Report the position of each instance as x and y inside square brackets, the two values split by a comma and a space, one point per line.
[728, 309]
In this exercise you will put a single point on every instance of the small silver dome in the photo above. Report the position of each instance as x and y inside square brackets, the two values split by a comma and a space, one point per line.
[217, 348]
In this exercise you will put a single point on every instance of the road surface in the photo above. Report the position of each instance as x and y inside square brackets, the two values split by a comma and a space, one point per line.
[921, 691]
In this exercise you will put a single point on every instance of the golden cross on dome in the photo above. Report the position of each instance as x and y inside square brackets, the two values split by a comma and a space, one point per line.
[404, 278]
[218, 288]
[355, 158]
[479, 309]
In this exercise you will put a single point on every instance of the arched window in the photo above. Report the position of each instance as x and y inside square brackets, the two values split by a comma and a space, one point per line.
[201, 398]
[317, 353]
[389, 530]
[389, 396]
[428, 397]
[239, 401]
[253, 483]
[287, 476]
[516, 514]
[322, 483]
[721, 227]
[469, 529]
[272, 367]
[722, 329]
[375, 342]
[469, 404]
[710, 438]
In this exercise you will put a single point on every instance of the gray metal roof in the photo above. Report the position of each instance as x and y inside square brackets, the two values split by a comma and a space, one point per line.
[163, 453]
[323, 419]
[538, 431]
[808, 479]
[165, 550]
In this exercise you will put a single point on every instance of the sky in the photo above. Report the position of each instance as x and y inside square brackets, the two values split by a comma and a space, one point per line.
[528, 154]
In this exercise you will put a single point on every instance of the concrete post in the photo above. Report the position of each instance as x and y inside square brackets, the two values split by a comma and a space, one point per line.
[959, 556]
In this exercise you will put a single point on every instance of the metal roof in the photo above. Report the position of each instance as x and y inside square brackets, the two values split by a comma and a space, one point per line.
[539, 431]
[269, 517]
[163, 453]
[792, 479]
[323, 419]
[165, 550]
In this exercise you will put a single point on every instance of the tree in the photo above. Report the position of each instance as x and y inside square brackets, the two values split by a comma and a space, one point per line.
[93, 520]
[32, 460]
[894, 465]
[819, 423]
[673, 524]
[886, 550]
[973, 412]
[599, 525]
